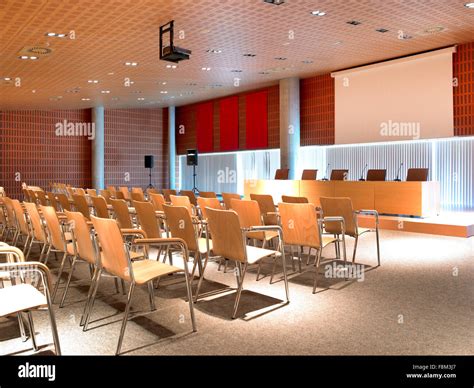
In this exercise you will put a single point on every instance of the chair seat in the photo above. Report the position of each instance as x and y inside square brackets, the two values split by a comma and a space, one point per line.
[255, 254]
[266, 235]
[203, 246]
[326, 240]
[18, 298]
[146, 270]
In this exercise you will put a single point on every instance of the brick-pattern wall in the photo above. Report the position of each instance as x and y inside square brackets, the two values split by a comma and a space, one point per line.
[130, 134]
[317, 110]
[463, 92]
[31, 152]
[186, 115]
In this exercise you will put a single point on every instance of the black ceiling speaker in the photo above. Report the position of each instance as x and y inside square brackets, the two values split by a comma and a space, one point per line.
[149, 162]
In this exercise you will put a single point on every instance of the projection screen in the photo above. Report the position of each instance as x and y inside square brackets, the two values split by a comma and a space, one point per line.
[401, 99]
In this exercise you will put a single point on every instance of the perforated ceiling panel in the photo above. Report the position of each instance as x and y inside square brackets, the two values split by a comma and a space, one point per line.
[286, 39]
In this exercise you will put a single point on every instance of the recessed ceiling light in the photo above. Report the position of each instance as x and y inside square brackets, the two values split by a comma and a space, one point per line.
[131, 63]
[250, 55]
[85, 99]
[115, 98]
[61, 35]
[206, 68]
[164, 83]
[274, 2]
[7, 79]
[280, 58]
[105, 91]
[54, 34]
[28, 57]
[93, 81]
[191, 84]
[318, 13]
[404, 37]
[214, 51]
[236, 71]
[55, 98]
[469, 5]
[137, 91]
[307, 61]
[141, 98]
[353, 22]
[50, 34]
[171, 66]
[164, 92]
[382, 30]
[264, 72]
[110, 73]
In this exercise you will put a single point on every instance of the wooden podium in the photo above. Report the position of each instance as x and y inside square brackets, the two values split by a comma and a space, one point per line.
[420, 199]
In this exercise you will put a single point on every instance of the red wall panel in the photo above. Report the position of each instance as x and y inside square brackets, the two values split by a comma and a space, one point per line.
[463, 92]
[229, 123]
[256, 120]
[205, 127]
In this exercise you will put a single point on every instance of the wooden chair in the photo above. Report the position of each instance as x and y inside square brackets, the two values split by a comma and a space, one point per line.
[417, 174]
[100, 207]
[53, 201]
[376, 175]
[339, 175]
[309, 175]
[26, 196]
[22, 224]
[342, 208]
[124, 191]
[112, 189]
[207, 194]
[167, 193]
[107, 196]
[227, 197]
[116, 260]
[70, 191]
[79, 191]
[91, 193]
[119, 195]
[190, 194]
[205, 203]
[41, 195]
[121, 213]
[81, 205]
[137, 196]
[268, 210]
[38, 231]
[11, 226]
[148, 220]
[229, 242]
[291, 199]
[152, 191]
[282, 173]
[63, 201]
[301, 228]
[181, 200]
[24, 296]
[158, 200]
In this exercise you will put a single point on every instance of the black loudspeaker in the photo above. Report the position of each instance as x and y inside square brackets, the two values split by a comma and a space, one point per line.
[149, 161]
[192, 158]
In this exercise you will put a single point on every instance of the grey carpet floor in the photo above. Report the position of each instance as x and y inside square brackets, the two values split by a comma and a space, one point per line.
[419, 302]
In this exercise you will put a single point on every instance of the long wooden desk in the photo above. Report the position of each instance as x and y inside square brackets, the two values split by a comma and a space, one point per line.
[421, 199]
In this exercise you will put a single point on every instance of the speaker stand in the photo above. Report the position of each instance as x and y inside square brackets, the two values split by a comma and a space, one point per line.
[195, 189]
[150, 186]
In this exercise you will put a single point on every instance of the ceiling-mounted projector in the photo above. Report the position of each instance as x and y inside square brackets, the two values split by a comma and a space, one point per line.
[170, 52]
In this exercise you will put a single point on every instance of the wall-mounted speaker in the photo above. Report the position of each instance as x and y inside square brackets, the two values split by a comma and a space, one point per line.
[149, 162]
[192, 158]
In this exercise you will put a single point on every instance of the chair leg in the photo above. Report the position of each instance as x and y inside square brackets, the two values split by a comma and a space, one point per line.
[61, 269]
[316, 264]
[91, 302]
[355, 249]
[89, 294]
[201, 278]
[309, 256]
[73, 264]
[239, 291]
[54, 330]
[21, 324]
[285, 277]
[292, 259]
[117, 290]
[46, 257]
[125, 318]
[378, 244]
[124, 290]
[273, 270]
[344, 254]
[32, 331]
[299, 258]
[151, 296]
[190, 294]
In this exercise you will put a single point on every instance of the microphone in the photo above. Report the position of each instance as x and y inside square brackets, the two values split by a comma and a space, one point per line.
[326, 176]
[362, 174]
[397, 179]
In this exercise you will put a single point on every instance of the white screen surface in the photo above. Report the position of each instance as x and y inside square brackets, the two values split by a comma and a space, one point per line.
[402, 99]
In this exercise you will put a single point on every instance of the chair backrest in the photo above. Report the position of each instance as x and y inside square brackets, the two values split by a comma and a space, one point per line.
[190, 194]
[226, 197]
[82, 236]
[339, 207]
[121, 213]
[70, 191]
[376, 175]
[118, 195]
[106, 194]
[125, 192]
[309, 175]
[266, 205]
[227, 239]
[282, 173]
[167, 193]
[300, 224]
[26, 196]
[249, 215]
[138, 190]
[290, 199]
[207, 194]
[181, 200]
[20, 217]
[417, 175]
[11, 218]
[53, 201]
[113, 259]
[41, 195]
[100, 206]
[91, 193]
[158, 200]
[339, 175]
[112, 189]
[36, 223]
[147, 219]
[136, 196]
[80, 191]
[152, 191]
[205, 203]
[64, 201]
[180, 225]
[33, 196]
[56, 234]
[81, 205]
